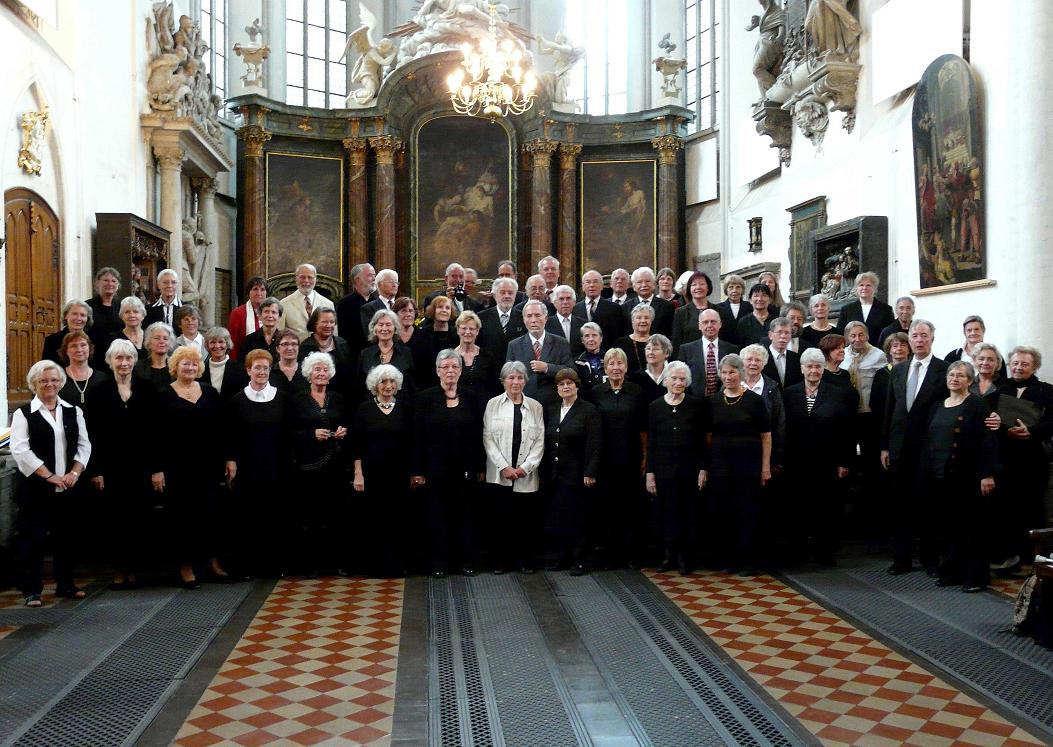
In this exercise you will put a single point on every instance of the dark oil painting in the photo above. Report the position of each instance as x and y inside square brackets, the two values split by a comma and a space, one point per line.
[618, 219]
[948, 170]
[462, 190]
[304, 213]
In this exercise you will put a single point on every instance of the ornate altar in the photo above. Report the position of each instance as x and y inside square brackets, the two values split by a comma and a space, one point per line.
[402, 181]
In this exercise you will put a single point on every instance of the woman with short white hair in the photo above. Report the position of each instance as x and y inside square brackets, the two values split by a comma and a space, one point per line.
[152, 363]
[222, 373]
[133, 313]
[50, 446]
[76, 317]
[319, 419]
[635, 343]
[651, 378]
[383, 333]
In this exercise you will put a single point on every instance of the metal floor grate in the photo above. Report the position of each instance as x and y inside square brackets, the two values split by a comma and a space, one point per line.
[966, 636]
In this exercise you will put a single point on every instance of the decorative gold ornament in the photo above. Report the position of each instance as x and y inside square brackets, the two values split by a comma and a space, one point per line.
[497, 83]
[254, 137]
[34, 127]
[305, 124]
[667, 147]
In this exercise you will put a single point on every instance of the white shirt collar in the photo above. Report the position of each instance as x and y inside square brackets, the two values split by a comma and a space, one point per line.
[175, 302]
[757, 388]
[36, 404]
[264, 395]
[540, 339]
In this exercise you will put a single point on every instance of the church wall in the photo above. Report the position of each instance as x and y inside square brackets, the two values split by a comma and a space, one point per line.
[871, 172]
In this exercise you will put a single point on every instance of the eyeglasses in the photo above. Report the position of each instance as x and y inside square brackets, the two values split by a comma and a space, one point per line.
[288, 344]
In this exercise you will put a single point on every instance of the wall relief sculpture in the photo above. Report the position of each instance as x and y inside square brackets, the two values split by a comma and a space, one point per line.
[444, 25]
[948, 170]
[34, 126]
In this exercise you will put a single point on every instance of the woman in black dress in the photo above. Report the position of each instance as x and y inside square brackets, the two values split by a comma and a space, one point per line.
[133, 313]
[380, 447]
[152, 365]
[385, 350]
[407, 334]
[651, 378]
[77, 353]
[322, 339]
[739, 464]
[439, 331]
[573, 442]
[635, 344]
[448, 464]
[589, 364]
[676, 445]
[222, 373]
[286, 373]
[76, 317]
[833, 349]
[189, 474]
[820, 326]
[121, 466]
[479, 370]
[318, 423]
[105, 317]
[958, 466]
[258, 466]
[266, 337]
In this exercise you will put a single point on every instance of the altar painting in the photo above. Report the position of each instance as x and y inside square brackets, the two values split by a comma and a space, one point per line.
[305, 216]
[618, 217]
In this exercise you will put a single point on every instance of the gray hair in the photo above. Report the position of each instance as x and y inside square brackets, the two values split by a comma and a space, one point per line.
[642, 308]
[794, 305]
[734, 280]
[816, 299]
[660, 341]
[591, 327]
[132, 302]
[381, 314]
[755, 348]
[505, 281]
[591, 272]
[313, 359]
[852, 325]
[471, 271]
[734, 361]
[535, 302]
[449, 354]
[968, 320]
[677, 366]
[355, 271]
[181, 313]
[37, 370]
[272, 301]
[986, 346]
[970, 372]
[614, 353]
[543, 260]
[118, 346]
[812, 355]
[159, 327]
[780, 321]
[383, 372]
[871, 276]
[385, 274]
[311, 267]
[901, 299]
[451, 267]
[926, 322]
[167, 271]
[640, 272]
[512, 367]
[564, 289]
[1027, 350]
[219, 333]
[104, 271]
[73, 304]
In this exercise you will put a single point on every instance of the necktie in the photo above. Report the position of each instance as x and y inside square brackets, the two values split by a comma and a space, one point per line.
[307, 305]
[711, 370]
[619, 301]
[912, 383]
[537, 350]
[592, 308]
[780, 366]
[504, 319]
[168, 314]
[565, 321]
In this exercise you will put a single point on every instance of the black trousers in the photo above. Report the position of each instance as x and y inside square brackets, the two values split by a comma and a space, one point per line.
[451, 521]
[738, 507]
[322, 496]
[678, 509]
[41, 516]
[515, 527]
[567, 522]
[914, 514]
[963, 521]
[619, 510]
[129, 503]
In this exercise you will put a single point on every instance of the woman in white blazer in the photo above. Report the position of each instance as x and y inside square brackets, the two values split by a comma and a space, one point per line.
[514, 439]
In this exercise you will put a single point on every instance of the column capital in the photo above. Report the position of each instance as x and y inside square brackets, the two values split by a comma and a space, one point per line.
[170, 156]
[386, 146]
[542, 151]
[357, 148]
[667, 147]
[206, 185]
[568, 155]
[254, 136]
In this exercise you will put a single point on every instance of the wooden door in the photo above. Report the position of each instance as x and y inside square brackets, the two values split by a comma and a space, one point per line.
[33, 285]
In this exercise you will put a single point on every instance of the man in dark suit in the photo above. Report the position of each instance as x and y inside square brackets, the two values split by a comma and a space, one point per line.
[543, 354]
[620, 292]
[564, 323]
[703, 356]
[387, 290]
[594, 308]
[536, 291]
[644, 285]
[873, 312]
[915, 387]
[454, 280]
[784, 365]
[501, 323]
[505, 269]
[349, 309]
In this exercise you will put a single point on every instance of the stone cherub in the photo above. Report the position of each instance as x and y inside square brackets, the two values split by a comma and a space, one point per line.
[768, 53]
[372, 63]
[566, 55]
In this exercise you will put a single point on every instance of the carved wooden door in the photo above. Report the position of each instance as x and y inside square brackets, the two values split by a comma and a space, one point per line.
[33, 255]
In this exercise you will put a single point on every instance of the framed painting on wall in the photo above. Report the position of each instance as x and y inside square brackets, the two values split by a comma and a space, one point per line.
[618, 214]
[305, 213]
[462, 185]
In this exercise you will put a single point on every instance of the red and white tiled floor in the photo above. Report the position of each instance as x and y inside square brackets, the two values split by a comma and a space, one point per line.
[841, 684]
[316, 665]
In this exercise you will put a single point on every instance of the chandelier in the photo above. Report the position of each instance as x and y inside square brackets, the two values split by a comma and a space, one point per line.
[496, 84]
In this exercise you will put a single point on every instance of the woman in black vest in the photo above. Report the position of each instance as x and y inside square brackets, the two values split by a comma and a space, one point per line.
[49, 442]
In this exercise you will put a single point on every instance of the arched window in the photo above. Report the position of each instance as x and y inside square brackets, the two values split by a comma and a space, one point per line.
[214, 34]
[704, 81]
[600, 84]
[315, 34]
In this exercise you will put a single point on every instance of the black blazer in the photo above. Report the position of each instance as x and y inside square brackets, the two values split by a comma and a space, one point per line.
[891, 329]
[694, 355]
[554, 327]
[470, 304]
[608, 315]
[305, 417]
[663, 315]
[349, 320]
[495, 338]
[881, 315]
[234, 378]
[974, 450]
[685, 325]
[401, 358]
[676, 442]
[750, 331]
[903, 432]
[366, 314]
[155, 313]
[256, 341]
[555, 351]
[572, 447]
[793, 368]
[589, 378]
[429, 459]
[818, 441]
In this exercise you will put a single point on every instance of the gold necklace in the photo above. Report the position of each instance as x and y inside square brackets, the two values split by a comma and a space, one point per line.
[732, 402]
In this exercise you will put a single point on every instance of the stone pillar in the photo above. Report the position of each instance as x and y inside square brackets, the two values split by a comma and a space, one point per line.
[253, 209]
[669, 254]
[541, 199]
[385, 147]
[358, 189]
[206, 204]
[171, 156]
[568, 212]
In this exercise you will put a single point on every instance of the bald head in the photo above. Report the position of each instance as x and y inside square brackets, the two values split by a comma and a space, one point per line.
[709, 324]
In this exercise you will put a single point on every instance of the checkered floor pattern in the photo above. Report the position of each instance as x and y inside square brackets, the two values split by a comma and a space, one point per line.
[317, 665]
[841, 684]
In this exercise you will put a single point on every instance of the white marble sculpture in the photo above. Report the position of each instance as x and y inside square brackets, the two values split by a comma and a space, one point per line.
[767, 54]
[253, 54]
[371, 67]
[670, 68]
[446, 25]
[834, 30]
[557, 82]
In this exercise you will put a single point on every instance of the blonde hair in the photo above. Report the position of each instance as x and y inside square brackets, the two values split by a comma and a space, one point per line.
[185, 351]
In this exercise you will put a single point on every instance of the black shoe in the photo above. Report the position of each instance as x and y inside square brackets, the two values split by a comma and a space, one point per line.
[342, 572]
[578, 570]
[747, 572]
[666, 565]
[973, 588]
[932, 571]
[438, 574]
[526, 570]
[71, 592]
[948, 581]
[191, 584]
[898, 569]
[467, 571]
[313, 573]
[499, 571]
[683, 569]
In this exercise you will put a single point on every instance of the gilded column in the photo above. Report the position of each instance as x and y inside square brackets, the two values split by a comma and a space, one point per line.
[385, 146]
[206, 202]
[669, 254]
[170, 156]
[568, 211]
[541, 199]
[358, 188]
[252, 211]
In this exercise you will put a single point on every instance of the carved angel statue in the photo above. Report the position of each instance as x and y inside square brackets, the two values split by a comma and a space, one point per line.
[666, 45]
[767, 54]
[833, 29]
[254, 30]
[370, 68]
[566, 56]
[670, 68]
[193, 261]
